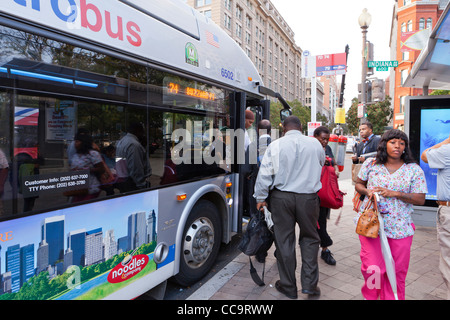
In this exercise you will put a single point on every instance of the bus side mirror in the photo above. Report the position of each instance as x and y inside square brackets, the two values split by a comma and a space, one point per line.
[284, 113]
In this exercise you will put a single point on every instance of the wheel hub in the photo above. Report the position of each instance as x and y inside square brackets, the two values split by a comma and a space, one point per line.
[199, 242]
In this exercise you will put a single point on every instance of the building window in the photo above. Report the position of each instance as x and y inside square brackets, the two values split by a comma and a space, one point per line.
[238, 31]
[404, 75]
[402, 104]
[421, 24]
[405, 56]
[228, 4]
[239, 13]
[227, 22]
[409, 25]
[201, 3]
[248, 21]
[429, 23]
[207, 13]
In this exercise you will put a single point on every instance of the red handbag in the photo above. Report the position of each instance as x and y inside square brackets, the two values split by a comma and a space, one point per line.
[330, 195]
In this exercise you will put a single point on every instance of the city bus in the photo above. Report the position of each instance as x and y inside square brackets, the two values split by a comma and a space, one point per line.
[77, 77]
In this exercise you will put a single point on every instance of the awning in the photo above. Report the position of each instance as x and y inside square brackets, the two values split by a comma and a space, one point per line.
[432, 67]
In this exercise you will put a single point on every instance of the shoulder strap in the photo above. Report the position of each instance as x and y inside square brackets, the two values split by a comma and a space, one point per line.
[254, 274]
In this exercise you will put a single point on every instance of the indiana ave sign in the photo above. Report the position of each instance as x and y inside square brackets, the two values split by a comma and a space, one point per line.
[382, 65]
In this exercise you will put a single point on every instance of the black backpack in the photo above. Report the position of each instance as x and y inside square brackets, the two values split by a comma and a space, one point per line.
[256, 241]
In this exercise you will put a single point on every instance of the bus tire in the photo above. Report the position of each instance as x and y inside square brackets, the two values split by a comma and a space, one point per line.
[200, 243]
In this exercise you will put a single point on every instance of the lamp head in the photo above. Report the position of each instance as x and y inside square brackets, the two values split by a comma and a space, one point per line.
[365, 19]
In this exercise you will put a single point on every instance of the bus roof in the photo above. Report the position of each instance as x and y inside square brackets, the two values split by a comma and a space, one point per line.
[168, 32]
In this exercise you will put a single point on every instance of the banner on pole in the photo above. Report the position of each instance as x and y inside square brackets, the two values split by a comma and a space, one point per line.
[331, 64]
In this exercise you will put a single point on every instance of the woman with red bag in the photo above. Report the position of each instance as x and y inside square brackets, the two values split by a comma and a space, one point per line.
[323, 135]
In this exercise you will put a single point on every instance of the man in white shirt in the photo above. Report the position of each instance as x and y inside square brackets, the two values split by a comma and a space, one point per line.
[290, 171]
[438, 157]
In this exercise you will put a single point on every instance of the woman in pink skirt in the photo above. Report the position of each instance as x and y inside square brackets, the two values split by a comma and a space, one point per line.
[400, 183]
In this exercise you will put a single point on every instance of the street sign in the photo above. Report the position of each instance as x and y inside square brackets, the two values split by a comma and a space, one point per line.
[331, 64]
[382, 65]
[339, 116]
[360, 110]
[312, 126]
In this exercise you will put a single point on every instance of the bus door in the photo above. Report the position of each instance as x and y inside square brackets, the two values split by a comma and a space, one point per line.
[260, 110]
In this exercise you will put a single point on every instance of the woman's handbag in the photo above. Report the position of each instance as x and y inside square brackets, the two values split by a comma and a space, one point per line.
[368, 224]
[330, 195]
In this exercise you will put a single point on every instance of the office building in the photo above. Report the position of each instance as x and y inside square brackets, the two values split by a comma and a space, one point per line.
[93, 247]
[266, 38]
[52, 233]
[409, 18]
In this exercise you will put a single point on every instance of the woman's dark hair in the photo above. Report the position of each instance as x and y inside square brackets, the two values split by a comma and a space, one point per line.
[320, 130]
[382, 146]
[86, 142]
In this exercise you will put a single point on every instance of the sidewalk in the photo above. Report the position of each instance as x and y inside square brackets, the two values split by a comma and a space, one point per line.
[340, 282]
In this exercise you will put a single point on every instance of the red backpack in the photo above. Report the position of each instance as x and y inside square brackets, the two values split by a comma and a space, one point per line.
[330, 195]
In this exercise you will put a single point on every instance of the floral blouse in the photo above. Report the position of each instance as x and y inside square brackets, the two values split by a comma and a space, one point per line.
[85, 162]
[409, 178]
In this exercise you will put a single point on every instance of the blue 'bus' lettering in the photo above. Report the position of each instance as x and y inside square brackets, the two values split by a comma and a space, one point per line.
[36, 5]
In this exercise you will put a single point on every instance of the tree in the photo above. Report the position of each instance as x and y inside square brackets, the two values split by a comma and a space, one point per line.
[299, 110]
[352, 119]
[440, 92]
[379, 114]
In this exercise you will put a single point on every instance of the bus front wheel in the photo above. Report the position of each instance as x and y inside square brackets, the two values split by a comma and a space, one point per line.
[200, 244]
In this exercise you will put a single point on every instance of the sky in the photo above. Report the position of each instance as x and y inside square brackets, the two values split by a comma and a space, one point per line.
[327, 26]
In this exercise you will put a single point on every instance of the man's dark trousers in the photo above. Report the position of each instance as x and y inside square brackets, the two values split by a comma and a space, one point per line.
[287, 209]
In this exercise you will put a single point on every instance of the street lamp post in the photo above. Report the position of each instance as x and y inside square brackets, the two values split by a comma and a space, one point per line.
[364, 21]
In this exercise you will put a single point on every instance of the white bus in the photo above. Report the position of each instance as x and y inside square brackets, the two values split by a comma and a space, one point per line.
[83, 75]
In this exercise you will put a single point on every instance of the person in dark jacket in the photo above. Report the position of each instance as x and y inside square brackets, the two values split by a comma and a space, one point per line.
[369, 142]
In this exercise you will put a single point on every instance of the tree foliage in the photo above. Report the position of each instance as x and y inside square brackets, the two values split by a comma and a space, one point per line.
[299, 110]
[379, 114]
[440, 93]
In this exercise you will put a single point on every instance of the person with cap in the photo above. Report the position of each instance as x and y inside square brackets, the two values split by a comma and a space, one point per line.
[438, 157]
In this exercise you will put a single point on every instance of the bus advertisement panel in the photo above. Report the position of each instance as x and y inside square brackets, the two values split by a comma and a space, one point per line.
[90, 251]
[427, 124]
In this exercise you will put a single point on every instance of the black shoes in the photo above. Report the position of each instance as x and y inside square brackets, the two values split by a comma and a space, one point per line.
[314, 292]
[284, 291]
[293, 295]
[327, 256]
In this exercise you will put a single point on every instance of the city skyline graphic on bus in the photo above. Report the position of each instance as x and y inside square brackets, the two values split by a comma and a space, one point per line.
[94, 238]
